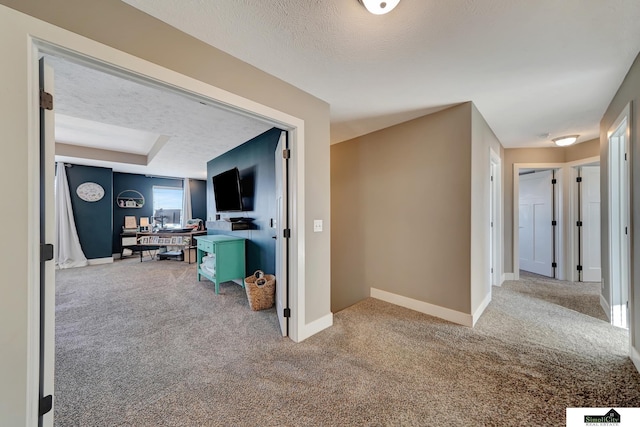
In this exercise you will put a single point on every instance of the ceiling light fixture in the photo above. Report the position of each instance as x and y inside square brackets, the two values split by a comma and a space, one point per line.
[563, 141]
[379, 7]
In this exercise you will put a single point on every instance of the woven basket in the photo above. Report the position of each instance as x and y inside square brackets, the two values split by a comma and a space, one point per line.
[261, 289]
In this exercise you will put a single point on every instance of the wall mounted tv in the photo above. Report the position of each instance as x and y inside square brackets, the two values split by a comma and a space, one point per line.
[226, 191]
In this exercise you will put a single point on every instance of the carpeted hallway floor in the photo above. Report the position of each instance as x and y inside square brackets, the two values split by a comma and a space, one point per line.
[145, 344]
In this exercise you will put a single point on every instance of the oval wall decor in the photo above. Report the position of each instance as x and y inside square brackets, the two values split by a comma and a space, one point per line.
[90, 191]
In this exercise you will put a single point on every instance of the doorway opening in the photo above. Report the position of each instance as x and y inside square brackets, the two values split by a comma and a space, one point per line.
[619, 220]
[201, 93]
[538, 221]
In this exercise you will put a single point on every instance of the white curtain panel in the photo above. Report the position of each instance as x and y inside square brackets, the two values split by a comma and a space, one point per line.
[186, 203]
[68, 252]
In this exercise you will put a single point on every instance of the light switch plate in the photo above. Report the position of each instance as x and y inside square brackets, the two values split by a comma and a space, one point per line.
[317, 225]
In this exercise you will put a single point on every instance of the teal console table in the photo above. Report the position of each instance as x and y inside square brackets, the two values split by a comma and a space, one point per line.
[230, 258]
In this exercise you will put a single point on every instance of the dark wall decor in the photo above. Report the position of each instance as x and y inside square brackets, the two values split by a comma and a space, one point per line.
[256, 161]
[94, 220]
[144, 185]
[99, 223]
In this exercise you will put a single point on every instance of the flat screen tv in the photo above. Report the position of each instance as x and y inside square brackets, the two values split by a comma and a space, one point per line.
[226, 190]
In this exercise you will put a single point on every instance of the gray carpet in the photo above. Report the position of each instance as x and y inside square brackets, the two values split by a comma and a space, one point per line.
[145, 344]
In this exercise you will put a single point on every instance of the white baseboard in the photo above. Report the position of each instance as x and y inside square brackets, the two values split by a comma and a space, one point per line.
[605, 306]
[423, 307]
[98, 261]
[314, 327]
[480, 310]
[508, 276]
[635, 358]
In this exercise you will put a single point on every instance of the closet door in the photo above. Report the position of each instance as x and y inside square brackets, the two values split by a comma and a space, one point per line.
[536, 215]
[590, 214]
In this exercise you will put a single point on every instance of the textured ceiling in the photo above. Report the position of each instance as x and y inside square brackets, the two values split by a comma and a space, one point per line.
[531, 67]
[177, 134]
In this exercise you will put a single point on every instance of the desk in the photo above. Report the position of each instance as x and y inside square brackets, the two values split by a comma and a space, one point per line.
[230, 258]
[128, 241]
[151, 241]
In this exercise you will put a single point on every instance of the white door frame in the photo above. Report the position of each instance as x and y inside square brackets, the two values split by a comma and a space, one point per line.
[559, 214]
[572, 232]
[623, 119]
[98, 55]
[46, 305]
[495, 210]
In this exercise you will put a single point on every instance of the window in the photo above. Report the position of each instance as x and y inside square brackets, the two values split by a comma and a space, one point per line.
[167, 206]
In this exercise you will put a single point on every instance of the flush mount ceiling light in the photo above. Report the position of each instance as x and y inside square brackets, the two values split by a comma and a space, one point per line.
[563, 141]
[379, 7]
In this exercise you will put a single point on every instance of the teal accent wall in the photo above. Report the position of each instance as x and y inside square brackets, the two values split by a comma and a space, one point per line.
[198, 189]
[144, 185]
[256, 161]
[100, 223]
[94, 220]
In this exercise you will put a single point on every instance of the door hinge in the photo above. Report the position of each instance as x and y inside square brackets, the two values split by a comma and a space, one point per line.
[46, 252]
[554, 181]
[626, 230]
[554, 223]
[45, 405]
[554, 265]
[579, 224]
[579, 179]
[46, 100]
[286, 153]
[286, 312]
[491, 270]
[491, 178]
[579, 268]
[286, 233]
[625, 156]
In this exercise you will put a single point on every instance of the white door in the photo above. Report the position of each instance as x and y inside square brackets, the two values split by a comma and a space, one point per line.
[47, 235]
[590, 217]
[281, 241]
[536, 231]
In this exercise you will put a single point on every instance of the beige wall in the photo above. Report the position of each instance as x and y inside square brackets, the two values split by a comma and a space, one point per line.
[118, 25]
[629, 91]
[348, 219]
[482, 141]
[557, 155]
[583, 150]
[401, 203]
